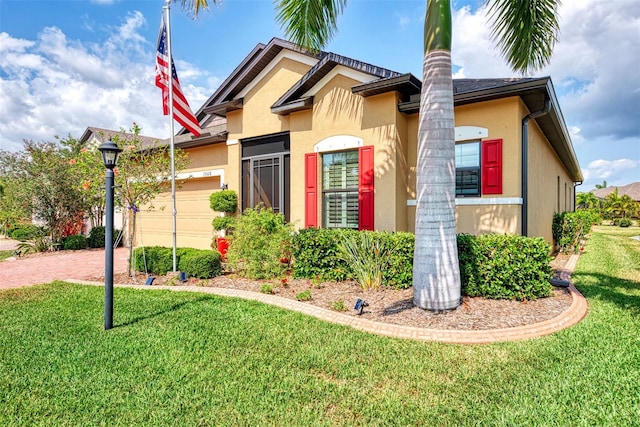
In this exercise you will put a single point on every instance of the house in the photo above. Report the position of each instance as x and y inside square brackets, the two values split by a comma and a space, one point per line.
[330, 141]
[632, 190]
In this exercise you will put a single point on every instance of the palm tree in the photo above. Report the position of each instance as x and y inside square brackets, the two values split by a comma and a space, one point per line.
[587, 200]
[525, 31]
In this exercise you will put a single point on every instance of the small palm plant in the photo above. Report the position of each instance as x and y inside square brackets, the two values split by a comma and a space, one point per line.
[366, 257]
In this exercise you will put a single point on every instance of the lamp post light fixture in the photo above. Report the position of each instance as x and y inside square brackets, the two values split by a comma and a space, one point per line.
[110, 152]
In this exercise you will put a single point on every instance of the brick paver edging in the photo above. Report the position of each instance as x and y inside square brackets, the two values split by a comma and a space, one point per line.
[571, 316]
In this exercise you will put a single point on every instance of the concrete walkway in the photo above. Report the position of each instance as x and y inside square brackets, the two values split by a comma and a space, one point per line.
[81, 266]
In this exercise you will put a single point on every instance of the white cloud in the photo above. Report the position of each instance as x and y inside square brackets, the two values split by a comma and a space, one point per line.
[621, 170]
[55, 86]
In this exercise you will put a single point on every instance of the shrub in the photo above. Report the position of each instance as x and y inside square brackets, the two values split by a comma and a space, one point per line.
[366, 257]
[74, 242]
[200, 263]
[569, 228]
[624, 222]
[96, 237]
[315, 253]
[38, 244]
[339, 305]
[266, 288]
[504, 266]
[398, 270]
[260, 240]
[226, 223]
[304, 295]
[203, 264]
[24, 232]
[224, 201]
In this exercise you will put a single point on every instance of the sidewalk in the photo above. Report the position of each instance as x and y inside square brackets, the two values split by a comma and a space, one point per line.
[44, 268]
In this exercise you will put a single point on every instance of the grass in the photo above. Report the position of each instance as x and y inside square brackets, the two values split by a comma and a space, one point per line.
[194, 359]
[6, 254]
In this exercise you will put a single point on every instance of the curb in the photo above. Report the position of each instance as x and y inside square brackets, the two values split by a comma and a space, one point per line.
[570, 317]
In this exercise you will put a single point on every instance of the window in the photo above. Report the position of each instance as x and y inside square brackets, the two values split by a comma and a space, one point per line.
[340, 184]
[468, 169]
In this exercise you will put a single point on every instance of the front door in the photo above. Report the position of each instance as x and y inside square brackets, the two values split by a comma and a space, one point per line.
[265, 173]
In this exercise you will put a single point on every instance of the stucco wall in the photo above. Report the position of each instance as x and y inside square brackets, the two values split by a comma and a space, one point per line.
[193, 220]
[550, 186]
[502, 120]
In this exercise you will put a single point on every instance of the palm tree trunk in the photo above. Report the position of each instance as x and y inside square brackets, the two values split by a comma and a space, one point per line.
[436, 273]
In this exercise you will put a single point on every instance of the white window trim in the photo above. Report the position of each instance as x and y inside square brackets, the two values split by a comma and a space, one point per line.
[467, 133]
[338, 143]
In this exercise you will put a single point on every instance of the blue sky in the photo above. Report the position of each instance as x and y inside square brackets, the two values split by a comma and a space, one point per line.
[66, 65]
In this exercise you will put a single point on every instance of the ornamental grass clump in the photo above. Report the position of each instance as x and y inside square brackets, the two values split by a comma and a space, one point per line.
[366, 257]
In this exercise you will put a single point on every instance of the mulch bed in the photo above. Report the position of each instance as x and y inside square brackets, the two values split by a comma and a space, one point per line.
[396, 306]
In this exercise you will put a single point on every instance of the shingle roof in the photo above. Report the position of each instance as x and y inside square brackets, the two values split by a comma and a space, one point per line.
[632, 190]
[103, 135]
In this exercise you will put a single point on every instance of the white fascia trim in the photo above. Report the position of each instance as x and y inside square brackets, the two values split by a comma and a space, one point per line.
[284, 53]
[342, 70]
[466, 133]
[202, 174]
[338, 143]
[478, 201]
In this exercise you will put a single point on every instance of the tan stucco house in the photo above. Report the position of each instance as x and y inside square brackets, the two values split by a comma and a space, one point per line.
[330, 141]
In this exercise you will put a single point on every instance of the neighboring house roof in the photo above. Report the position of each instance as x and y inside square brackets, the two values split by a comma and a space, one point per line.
[632, 190]
[102, 135]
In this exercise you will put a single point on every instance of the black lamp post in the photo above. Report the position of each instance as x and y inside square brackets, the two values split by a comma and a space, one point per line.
[109, 151]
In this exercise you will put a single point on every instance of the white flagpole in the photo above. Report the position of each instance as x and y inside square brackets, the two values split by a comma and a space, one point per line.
[167, 14]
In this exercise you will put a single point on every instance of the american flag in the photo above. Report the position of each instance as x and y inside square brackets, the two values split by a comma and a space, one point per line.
[181, 110]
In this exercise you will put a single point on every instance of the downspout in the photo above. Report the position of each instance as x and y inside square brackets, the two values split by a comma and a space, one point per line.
[525, 161]
[575, 184]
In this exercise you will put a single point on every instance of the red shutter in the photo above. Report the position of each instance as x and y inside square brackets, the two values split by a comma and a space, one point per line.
[311, 190]
[492, 166]
[365, 188]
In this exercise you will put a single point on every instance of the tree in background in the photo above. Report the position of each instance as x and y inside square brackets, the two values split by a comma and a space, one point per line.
[525, 31]
[603, 185]
[41, 183]
[620, 207]
[12, 209]
[587, 201]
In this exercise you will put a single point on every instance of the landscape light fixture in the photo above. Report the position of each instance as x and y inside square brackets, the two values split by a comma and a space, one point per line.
[360, 305]
[110, 152]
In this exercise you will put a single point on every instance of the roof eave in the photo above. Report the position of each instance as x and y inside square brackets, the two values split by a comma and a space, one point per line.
[291, 107]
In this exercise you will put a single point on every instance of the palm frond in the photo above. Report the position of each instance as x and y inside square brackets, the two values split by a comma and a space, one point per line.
[309, 23]
[195, 6]
[525, 31]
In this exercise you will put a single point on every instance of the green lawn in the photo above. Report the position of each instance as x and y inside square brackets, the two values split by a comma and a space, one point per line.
[6, 254]
[193, 359]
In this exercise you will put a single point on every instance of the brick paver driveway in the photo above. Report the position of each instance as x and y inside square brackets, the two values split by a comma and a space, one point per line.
[45, 268]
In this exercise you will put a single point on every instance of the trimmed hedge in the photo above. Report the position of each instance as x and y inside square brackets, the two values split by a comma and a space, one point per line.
[24, 232]
[200, 263]
[74, 242]
[504, 266]
[492, 266]
[316, 254]
[569, 228]
[96, 237]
